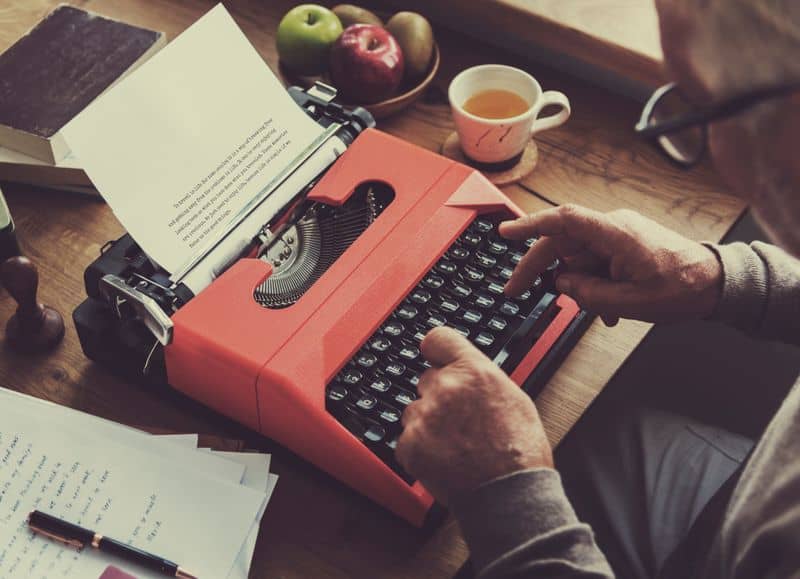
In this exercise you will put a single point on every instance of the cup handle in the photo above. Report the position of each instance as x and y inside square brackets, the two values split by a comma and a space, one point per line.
[552, 97]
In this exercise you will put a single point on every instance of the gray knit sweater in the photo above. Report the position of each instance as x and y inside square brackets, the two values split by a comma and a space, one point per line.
[522, 525]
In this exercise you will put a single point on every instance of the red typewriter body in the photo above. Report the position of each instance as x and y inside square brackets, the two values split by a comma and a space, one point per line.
[268, 368]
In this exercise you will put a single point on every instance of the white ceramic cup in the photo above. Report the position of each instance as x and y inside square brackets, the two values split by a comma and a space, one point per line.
[497, 140]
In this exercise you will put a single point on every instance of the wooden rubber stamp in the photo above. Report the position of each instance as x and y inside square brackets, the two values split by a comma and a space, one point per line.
[34, 327]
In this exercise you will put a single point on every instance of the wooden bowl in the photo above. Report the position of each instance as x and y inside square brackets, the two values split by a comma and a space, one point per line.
[380, 109]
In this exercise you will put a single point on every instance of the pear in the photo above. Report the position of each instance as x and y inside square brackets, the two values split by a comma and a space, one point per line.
[414, 34]
[351, 14]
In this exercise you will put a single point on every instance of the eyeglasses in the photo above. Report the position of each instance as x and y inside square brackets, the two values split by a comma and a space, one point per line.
[681, 129]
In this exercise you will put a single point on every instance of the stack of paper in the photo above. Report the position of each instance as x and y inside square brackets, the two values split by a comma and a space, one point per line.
[66, 175]
[199, 508]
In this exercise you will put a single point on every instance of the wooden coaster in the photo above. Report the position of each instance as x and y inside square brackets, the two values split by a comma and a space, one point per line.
[451, 148]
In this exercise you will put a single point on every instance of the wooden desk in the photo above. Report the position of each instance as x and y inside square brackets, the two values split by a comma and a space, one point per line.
[616, 36]
[315, 527]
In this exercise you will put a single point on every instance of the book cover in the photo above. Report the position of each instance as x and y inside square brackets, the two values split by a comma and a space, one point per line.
[58, 68]
[16, 167]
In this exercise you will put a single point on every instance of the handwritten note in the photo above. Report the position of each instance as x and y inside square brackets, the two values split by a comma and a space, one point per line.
[129, 494]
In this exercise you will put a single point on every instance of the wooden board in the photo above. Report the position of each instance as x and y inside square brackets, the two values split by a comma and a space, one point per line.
[315, 527]
[617, 36]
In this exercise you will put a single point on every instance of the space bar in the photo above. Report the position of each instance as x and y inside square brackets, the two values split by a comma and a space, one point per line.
[527, 333]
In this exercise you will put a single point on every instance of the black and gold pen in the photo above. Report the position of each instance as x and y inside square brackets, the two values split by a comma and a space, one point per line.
[75, 536]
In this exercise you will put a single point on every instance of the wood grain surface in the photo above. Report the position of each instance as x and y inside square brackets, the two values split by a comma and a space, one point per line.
[618, 36]
[314, 526]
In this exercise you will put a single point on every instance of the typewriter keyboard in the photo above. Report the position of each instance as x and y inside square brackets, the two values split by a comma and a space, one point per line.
[463, 290]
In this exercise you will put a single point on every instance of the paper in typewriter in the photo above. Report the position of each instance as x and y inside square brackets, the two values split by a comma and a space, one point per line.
[181, 146]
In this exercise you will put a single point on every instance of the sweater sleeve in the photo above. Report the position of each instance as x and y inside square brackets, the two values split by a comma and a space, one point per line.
[761, 290]
[522, 525]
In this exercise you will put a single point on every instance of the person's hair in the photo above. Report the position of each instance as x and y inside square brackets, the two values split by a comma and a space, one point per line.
[776, 34]
[744, 43]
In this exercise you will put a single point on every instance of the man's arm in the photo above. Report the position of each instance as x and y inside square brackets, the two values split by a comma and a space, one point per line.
[522, 525]
[474, 439]
[761, 290]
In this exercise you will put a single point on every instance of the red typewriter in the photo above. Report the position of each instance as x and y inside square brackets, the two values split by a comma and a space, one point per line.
[311, 336]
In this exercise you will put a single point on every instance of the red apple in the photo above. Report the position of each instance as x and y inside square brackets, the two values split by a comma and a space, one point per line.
[366, 64]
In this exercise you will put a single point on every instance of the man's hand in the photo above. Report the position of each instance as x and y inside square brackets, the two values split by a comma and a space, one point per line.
[471, 423]
[618, 264]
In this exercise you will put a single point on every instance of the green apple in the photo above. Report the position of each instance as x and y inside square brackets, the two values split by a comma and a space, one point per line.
[305, 36]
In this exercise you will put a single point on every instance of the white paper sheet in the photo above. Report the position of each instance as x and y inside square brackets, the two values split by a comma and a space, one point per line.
[131, 495]
[257, 477]
[180, 146]
[68, 420]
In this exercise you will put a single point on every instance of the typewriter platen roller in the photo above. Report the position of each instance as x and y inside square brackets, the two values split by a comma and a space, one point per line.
[311, 336]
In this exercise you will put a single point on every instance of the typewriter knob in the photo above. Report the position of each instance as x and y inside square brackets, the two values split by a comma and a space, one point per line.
[34, 327]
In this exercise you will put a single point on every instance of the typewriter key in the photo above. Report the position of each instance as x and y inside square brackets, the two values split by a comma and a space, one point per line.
[374, 434]
[498, 247]
[404, 397]
[462, 290]
[473, 275]
[420, 296]
[472, 239]
[505, 273]
[497, 324]
[484, 339]
[516, 258]
[448, 306]
[394, 328]
[380, 344]
[524, 296]
[459, 253]
[366, 402]
[436, 320]
[484, 260]
[337, 393]
[380, 384]
[389, 414]
[395, 368]
[471, 316]
[366, 359]
[483, 226]
[509, 309]
[409, 353]
[433, 281]
[446, 267]
[484, 301]
[495, 288]
[407, 312]
[352, 376]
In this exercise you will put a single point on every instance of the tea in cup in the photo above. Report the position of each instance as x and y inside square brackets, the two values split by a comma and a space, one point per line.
[496, 112]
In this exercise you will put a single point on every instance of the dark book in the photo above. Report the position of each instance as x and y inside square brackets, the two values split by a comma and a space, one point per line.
[53, 72]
